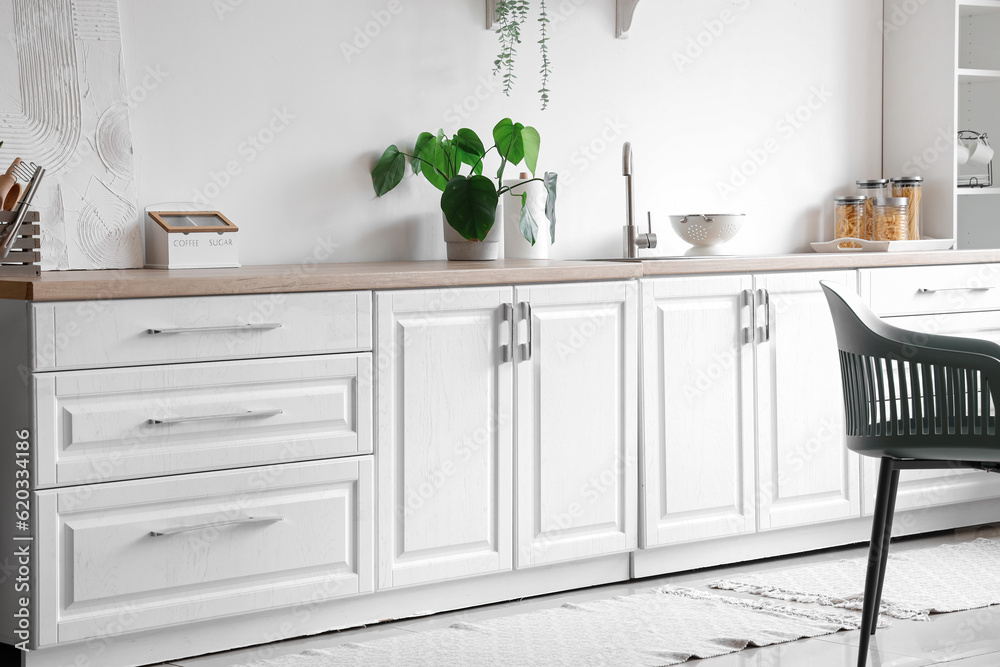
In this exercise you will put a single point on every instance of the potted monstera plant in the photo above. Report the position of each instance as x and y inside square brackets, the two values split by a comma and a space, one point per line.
[469, 201]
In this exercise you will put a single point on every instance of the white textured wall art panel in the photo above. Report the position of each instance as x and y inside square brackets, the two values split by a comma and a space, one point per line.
[64, 106]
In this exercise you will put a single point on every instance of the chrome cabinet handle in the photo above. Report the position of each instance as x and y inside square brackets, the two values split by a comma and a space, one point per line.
[174, 530]
[267, 326]
[526, 348]
[765, 331]
[507, 351]
[748, 303]
[248, 414]
[927, 290]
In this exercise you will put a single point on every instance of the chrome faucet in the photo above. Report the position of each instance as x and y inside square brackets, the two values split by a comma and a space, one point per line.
[633, 239]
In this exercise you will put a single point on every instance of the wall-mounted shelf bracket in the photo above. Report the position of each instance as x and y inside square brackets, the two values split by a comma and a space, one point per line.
[491, 13]
[625, 10]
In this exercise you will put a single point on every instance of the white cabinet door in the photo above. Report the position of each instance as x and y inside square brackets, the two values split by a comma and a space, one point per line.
[927, 488]
[577, 421]
[698, 384]
[444, 439]
[805, 474]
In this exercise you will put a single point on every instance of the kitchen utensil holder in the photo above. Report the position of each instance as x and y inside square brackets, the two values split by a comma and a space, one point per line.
[975, 181]
[25, 256]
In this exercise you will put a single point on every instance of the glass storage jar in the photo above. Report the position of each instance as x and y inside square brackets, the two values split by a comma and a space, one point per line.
[849, 218]
[911, 187]
[891, 218]
[872, 190]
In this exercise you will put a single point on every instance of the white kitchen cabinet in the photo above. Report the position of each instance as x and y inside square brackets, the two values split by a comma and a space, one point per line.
[445, 434]
[959, 300]
[743, 407]
[577, 421]
[805, 472]
[698, 384]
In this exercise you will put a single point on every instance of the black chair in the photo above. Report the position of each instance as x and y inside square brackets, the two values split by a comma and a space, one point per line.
[916, 401]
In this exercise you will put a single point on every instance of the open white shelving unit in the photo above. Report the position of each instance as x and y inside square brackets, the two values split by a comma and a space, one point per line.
[942, 75]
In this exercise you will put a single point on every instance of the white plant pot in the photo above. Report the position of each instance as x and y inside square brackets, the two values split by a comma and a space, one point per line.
[463, 250]
[515, 245]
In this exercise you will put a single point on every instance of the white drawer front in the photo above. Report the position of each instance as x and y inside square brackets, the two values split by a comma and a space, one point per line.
[934, 289]
[99, 425]
[229, 543]
[94, 334]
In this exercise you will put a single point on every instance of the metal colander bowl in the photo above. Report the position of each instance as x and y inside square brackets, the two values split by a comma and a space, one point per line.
[706, 231]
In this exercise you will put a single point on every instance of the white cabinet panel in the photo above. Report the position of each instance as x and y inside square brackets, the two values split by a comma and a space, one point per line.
[96, 424]
[577, 421]
[913, 290]
[445, 434]
[191, 547]
[699, 400]
[806, 474]
[97, 334]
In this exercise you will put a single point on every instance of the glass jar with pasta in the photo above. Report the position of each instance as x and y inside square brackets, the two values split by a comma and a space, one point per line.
[911, 187]
[849, 218]
[872, 190]
[891, 218]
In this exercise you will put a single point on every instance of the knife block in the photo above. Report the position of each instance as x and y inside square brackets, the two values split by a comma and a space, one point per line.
[25, 256]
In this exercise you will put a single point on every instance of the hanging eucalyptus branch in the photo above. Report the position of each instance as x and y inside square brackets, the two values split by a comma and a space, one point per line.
[546, 71]
[511, 16]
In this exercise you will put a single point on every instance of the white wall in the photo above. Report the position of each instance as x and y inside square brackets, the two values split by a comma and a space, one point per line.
[226, 65]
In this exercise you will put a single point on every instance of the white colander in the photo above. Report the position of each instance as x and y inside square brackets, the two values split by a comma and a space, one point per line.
[707, 230]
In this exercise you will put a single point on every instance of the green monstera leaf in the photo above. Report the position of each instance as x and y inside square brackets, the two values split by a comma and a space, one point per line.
[470, 206]
[550, 201]
[529, 226]
[388, 173]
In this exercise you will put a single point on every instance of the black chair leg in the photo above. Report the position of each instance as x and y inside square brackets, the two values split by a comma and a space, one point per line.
[890, 510]
[881, 526]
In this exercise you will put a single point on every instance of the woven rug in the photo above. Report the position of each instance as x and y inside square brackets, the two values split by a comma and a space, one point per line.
[667, 626]
[952, 577]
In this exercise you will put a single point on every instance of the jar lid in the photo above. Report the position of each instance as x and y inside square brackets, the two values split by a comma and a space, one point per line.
[880, 182]
[850, 199]
[908, 179]
[892, 201]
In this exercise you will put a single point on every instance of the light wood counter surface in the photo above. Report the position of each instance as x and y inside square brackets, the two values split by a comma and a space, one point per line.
[151, 283]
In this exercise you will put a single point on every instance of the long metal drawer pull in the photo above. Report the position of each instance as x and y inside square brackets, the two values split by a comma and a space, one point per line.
[248, 414]
[527, 347]
[507, 351]
[927, 290]
[217, 524]
[748, 304]
[267, 326]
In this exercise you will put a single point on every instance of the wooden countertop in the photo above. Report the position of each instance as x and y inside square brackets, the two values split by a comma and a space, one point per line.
[148, 283]
[814, 261]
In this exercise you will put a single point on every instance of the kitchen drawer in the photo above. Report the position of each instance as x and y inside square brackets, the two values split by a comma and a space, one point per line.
[933, 289]
[95, 334]
[100, 425]
[151, 553]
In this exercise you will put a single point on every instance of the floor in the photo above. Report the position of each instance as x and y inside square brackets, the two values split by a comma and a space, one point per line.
[962, 639]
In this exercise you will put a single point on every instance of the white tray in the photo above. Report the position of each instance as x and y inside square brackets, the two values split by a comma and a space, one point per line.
[883, 246]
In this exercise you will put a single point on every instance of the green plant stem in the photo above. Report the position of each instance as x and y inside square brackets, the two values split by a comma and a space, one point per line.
[432, 166]
[506, 189]
[484, 157]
